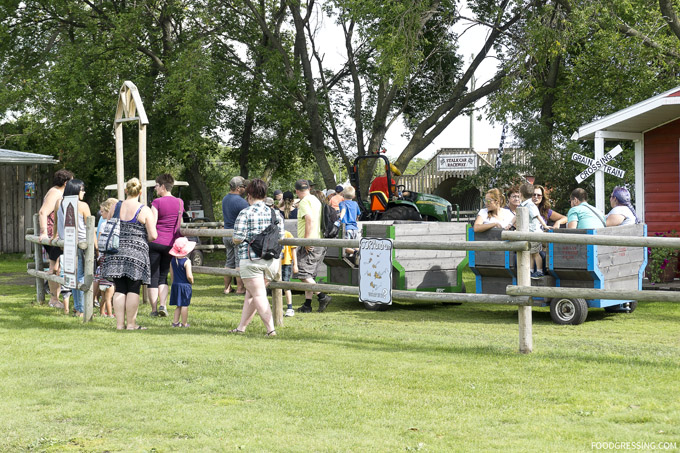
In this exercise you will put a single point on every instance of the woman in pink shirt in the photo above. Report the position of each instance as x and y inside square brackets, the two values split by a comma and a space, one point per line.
[167, 210]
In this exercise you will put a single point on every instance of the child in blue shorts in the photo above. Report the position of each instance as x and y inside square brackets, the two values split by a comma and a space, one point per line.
[182, 279]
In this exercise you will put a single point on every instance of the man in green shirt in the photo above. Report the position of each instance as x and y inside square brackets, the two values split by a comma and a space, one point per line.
[308, 258]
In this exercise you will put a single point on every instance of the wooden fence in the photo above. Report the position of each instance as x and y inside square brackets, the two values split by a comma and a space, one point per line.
[520, 295]
[41, 276]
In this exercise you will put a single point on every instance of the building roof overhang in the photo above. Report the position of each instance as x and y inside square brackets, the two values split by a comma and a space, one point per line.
[639, 118]
[10, 157]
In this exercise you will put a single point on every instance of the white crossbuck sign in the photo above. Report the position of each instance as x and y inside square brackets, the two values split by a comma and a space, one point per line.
[600, 164]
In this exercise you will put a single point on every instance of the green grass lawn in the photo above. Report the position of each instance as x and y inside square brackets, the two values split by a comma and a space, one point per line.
[416, 377]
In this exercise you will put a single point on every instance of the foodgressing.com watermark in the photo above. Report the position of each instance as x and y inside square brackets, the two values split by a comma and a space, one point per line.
[633, 445]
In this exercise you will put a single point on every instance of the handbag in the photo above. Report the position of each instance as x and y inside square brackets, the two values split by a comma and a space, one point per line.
[109, 238]
[266, 244]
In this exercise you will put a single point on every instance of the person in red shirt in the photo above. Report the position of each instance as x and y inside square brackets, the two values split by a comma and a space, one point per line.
[380, 183]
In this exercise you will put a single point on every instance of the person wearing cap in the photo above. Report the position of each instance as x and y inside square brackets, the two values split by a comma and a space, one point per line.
[278, 197]
[309, 257]
[232, 204]
[338, 198]
[287, 206]
[379, 184]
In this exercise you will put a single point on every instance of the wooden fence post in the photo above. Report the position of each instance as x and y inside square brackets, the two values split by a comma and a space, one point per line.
[277, 302]
[88, 304]
[37, 251]
[526, 344]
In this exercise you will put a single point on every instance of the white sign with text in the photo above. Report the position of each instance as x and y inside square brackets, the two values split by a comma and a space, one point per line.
[456, 162]
[580, 158]
[375, 270]
[599, 164]
[69, 259]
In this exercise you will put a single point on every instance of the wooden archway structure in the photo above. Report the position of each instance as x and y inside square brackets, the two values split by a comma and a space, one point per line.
[130, 108]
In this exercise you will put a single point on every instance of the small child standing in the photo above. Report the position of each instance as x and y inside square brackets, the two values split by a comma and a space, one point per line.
[182, 279]
[349, 212]
[526, 190]
[288, 268]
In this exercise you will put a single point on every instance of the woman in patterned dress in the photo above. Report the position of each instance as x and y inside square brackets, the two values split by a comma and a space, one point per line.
[129, 268]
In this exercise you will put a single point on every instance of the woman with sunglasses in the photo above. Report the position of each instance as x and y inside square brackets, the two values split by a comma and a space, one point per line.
[544, 208]
[493, 215]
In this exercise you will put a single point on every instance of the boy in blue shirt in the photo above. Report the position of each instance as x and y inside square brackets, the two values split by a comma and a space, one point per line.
[526, 190]
[349, 212]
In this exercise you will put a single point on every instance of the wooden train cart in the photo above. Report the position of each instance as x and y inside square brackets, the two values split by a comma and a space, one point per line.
[413, 270]
[569, 266]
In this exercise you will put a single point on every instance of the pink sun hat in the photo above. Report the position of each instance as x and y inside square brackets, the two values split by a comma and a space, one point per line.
[182, 247]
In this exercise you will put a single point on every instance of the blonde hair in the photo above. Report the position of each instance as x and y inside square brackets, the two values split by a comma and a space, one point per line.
[497, 196]
[348, 193]
[133, 187]
[108, 204]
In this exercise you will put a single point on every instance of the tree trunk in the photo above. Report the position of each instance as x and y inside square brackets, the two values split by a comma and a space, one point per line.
[200, 189]
[316, 138]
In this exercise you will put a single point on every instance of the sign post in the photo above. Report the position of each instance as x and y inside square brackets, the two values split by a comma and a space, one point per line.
[375, 270]
[70, 257]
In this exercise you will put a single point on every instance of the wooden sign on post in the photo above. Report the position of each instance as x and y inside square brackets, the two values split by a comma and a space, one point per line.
[580, 158]
[375, 270]
[69, 260]
[599, 164]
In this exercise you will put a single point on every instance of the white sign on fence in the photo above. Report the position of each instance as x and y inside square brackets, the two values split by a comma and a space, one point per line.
[599, 164]
[580, 158]
[69, 260]
[375, 270]
[456, 162]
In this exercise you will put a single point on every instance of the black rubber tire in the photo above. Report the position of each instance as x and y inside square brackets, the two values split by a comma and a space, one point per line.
[372, 306]
[196, 258]
[619, 309]
[566, 311]
[401, 213]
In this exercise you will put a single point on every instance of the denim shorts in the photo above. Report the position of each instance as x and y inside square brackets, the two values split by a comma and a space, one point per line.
[286, 272]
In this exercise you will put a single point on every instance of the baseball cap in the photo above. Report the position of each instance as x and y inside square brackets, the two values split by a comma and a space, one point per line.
[301, 184]
[288, 195]
[339, 188]
[269, 201]
[237, 181]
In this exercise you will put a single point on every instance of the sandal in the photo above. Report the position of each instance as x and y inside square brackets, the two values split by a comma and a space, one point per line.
[185, 325]
[137, 328]
[236, 331]
[176, 324]
[271, 333]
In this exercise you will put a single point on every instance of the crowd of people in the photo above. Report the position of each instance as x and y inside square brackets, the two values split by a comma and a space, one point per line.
[501, 212]
[151, 246]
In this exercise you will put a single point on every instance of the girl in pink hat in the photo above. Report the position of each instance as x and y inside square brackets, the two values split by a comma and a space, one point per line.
[182, 279]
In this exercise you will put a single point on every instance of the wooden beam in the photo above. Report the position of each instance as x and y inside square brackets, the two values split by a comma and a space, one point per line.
[591, 293]
[591, 239]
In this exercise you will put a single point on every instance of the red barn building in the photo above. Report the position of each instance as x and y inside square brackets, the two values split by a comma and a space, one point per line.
[654, 126]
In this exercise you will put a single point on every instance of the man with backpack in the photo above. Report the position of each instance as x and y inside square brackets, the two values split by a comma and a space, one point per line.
[308, 258]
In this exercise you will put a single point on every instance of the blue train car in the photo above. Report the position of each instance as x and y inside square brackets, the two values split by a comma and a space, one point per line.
[569, 266]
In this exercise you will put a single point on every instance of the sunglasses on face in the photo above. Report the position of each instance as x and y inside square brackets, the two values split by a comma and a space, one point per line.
[537, 195]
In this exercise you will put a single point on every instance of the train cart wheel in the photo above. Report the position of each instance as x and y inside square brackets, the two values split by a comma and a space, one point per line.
[628, 307]
[568, 311]
[196, 258]
[372, 306]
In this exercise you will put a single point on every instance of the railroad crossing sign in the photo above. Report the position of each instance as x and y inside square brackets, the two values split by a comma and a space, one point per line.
[598, 165]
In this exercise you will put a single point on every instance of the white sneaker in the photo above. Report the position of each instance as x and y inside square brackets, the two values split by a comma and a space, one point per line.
[289, 313]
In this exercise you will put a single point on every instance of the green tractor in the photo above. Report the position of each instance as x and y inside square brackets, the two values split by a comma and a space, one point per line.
[402, 204]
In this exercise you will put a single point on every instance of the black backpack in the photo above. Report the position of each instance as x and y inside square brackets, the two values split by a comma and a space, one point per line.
[329, 217]
[266, 244]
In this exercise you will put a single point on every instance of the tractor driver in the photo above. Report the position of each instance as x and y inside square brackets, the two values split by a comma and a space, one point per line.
[379, 184]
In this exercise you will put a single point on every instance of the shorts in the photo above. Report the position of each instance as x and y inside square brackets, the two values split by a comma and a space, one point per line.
[351, 234]
[309, 261]
[53, 252]
[232, 261]
[286, 272]
[259, 268]
[125, 285]
[535, 247]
